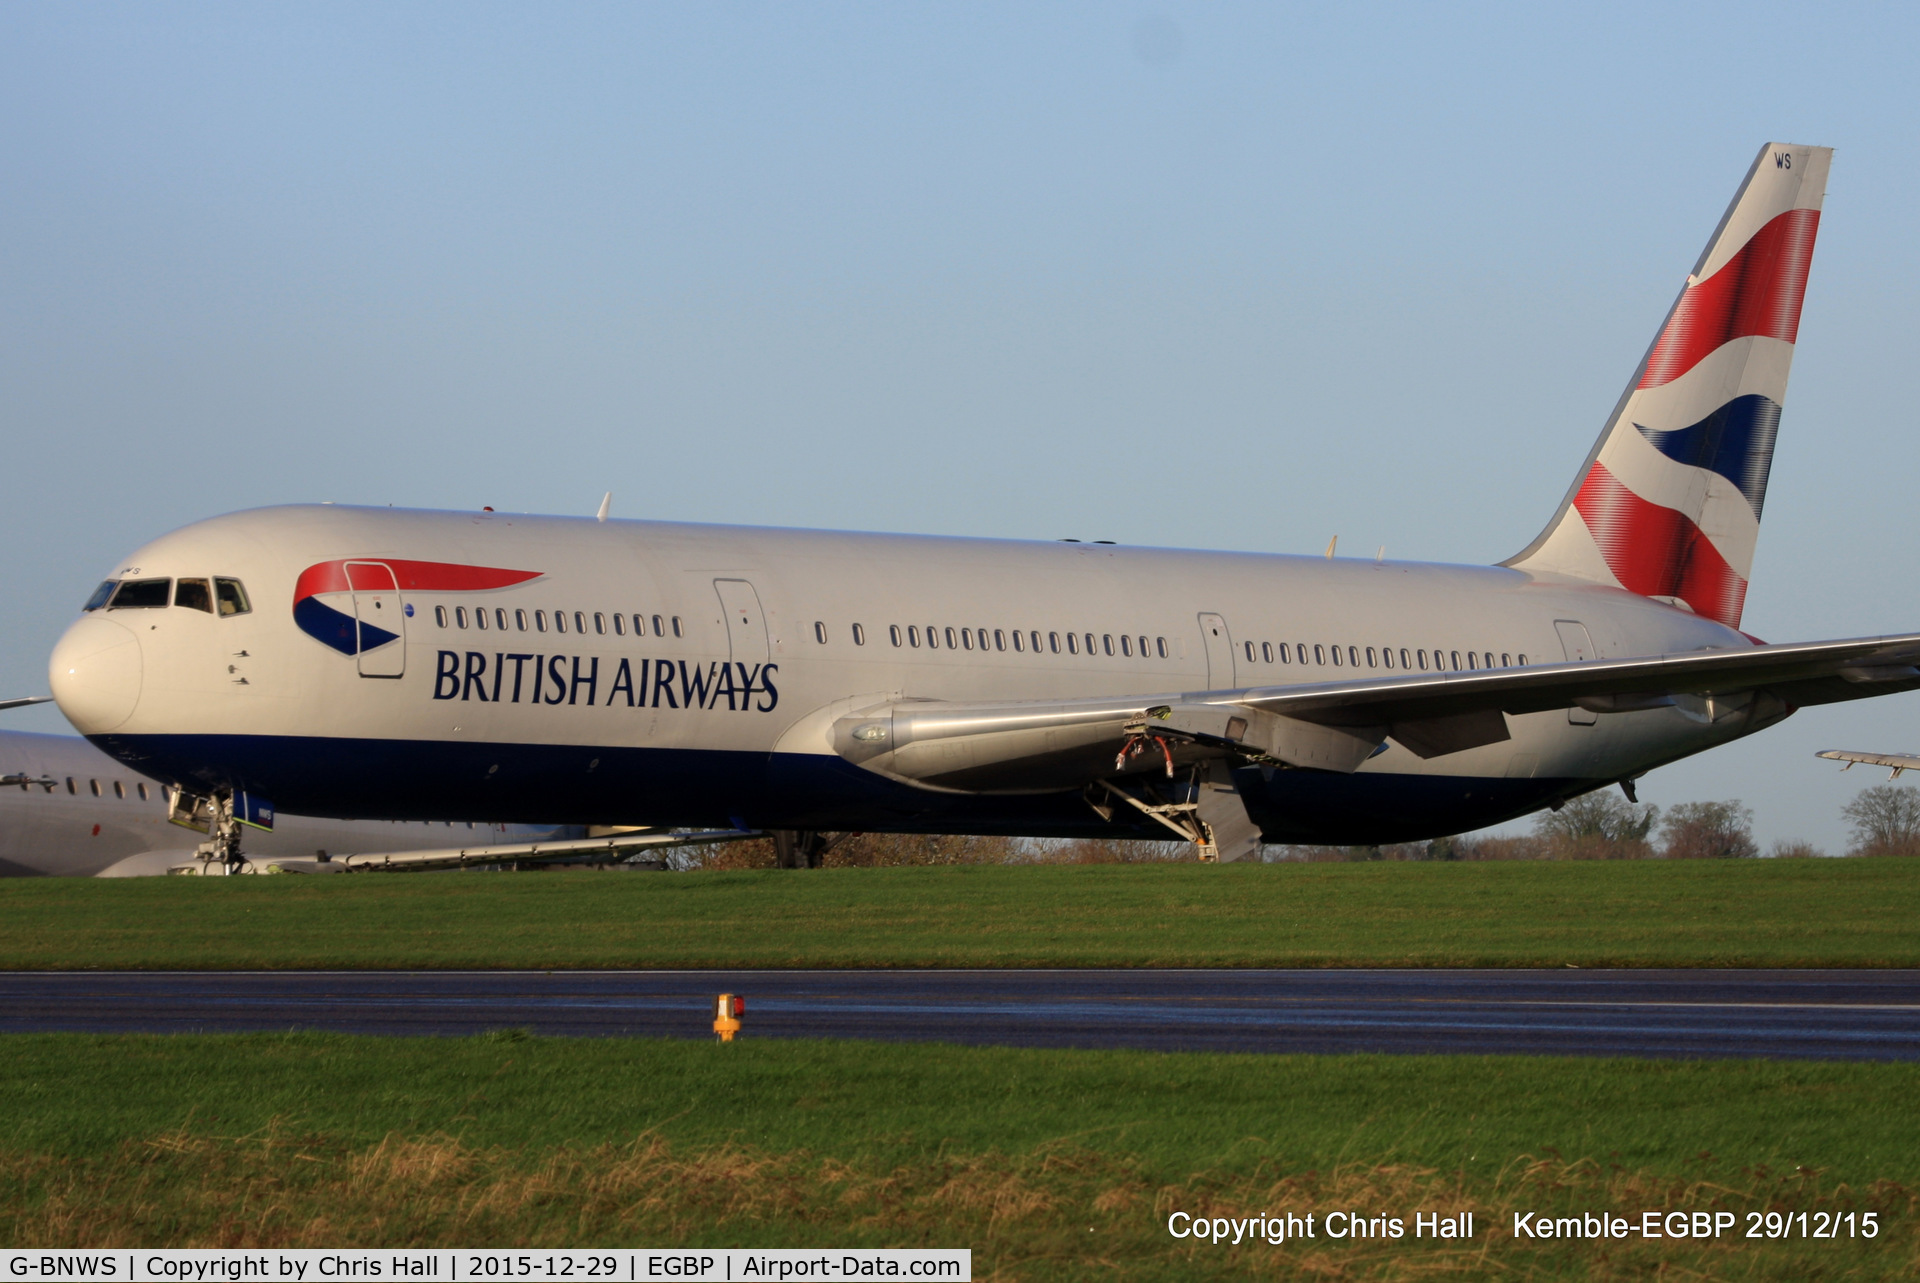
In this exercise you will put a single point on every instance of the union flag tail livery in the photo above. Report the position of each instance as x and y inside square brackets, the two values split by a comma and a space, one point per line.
[1668, 504]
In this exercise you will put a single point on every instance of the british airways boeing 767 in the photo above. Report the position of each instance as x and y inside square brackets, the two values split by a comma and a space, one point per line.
[423, 665]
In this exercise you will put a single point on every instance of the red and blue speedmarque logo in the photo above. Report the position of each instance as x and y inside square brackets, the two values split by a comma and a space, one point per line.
[332, 601]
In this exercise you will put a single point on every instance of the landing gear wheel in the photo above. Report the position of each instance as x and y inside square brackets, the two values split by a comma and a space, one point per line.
[799, 848]
[222, 846]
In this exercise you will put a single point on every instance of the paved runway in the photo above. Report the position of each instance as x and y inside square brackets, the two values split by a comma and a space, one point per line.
[1844, 1015]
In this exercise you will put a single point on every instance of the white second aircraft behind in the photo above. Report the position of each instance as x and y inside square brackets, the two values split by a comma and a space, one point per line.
[411, 665]
[69, 810]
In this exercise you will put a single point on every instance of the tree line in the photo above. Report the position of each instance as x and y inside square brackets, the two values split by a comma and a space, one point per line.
[1604, 825]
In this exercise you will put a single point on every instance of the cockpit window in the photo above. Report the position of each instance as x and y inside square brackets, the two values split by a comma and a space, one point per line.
[101, 594]
[193, 594]
[232, 597]
[141, 594]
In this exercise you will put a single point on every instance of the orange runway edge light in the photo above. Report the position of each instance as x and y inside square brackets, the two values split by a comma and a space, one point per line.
[727, 1010]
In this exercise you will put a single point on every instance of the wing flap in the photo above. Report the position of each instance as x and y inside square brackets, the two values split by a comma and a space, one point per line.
[1439, 736]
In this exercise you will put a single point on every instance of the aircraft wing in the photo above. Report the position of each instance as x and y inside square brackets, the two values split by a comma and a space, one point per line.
[1799, 674]
[1113, 747]
[1897, 762]
[1045, 747]
[585, 850]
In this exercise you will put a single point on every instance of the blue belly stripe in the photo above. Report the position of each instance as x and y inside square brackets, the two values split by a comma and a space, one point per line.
[548, 783]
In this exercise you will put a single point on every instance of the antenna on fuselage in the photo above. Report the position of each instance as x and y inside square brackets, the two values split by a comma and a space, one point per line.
[605, 504]
[1330, 543]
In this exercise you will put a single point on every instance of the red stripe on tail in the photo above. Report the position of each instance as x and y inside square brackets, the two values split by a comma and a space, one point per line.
[1757, 291]
[1658, 552]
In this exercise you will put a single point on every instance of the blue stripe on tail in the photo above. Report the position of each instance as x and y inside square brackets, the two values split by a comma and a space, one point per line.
[1735, 441]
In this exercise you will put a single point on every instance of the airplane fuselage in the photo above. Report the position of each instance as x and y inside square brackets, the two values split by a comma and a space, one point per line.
[656, 673]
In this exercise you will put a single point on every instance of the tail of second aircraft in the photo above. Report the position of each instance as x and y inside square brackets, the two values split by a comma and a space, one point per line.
[1668, 504]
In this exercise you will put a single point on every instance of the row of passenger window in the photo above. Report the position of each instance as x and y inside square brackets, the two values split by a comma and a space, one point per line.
[120, 790]
[1125, 645]
[93, 786]
[933, 637]
[216, 597]
[1354, 656]
[579, 621]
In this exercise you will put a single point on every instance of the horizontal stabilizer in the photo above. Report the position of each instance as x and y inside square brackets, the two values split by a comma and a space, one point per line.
[1896, 762]
[5, 704]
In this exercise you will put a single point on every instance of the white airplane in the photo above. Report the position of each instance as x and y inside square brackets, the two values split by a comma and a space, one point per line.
[69, 810]
[410, 664]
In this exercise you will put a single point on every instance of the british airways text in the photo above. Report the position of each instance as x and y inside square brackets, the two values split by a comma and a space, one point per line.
[506, 678]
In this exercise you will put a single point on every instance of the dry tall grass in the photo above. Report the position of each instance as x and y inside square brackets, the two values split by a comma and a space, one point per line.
[1058, 1212]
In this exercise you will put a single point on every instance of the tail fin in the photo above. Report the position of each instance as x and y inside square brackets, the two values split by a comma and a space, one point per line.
[1668, 504]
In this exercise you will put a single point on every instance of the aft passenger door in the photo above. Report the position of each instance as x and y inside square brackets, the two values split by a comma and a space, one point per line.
[746, 622]
[1219, 648]
[1578, 644]
[380, 619]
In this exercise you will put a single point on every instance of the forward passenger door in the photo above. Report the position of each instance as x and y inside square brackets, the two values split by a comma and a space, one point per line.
[381, 620]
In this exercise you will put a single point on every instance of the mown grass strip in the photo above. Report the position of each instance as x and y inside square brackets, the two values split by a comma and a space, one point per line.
[1049, 1164]
[1733, 913]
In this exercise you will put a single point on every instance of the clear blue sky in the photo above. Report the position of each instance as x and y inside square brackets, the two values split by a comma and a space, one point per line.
[1210, 276]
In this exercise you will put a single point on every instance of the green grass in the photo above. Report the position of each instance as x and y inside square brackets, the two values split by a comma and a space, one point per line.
[1733, 913]
[1049, 1164]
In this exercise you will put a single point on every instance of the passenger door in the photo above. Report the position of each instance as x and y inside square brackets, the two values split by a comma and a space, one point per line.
[1219, 648]
[381, 619]
[746, 622]
[1578, 644]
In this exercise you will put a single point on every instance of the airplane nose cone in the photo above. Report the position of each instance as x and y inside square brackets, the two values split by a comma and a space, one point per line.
[95, 672]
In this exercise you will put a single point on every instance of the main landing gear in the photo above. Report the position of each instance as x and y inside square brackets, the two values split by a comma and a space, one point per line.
[1203, 808]
[799, 848]
[214, 816]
